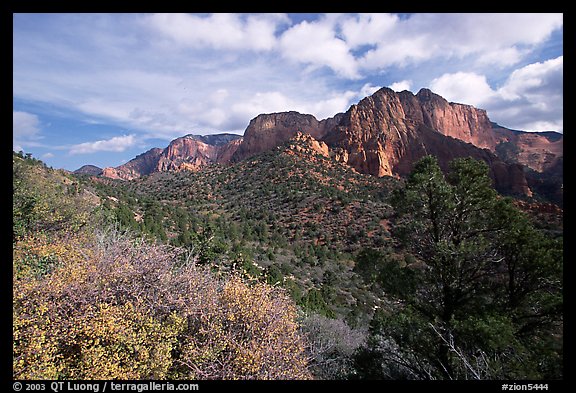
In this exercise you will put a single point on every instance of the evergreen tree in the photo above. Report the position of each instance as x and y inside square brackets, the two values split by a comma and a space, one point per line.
[483, 266]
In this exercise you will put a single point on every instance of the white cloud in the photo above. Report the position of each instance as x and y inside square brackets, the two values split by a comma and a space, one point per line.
[25, 130]
[316, 44]
[367, 29]
[463, 87]
[219, 96]
[401, 85]
[536, 81]
[367, 90]
[530, 99]
[47, 155]
[263, 102]
[271, 102]
[115, 144]
[219, 31]
[335, 103]
[502, 57]
[495, 39]
[532, 96]
[25, 125]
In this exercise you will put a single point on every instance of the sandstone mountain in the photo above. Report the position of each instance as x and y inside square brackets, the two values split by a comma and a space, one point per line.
[143, 164]
[382, 135]
[267, 131]
[190, 152]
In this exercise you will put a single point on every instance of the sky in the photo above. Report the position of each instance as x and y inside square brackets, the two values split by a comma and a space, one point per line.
[102, 88]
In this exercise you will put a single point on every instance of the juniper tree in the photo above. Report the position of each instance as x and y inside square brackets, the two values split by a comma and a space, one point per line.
[489, 283]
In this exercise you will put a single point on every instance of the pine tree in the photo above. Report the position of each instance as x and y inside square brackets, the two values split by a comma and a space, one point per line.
[482, 260]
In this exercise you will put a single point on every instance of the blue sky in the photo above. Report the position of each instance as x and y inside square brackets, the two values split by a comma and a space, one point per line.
[101, 88]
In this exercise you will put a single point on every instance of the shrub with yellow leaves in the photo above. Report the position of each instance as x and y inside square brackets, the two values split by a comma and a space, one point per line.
[116, 307]
[250, 332]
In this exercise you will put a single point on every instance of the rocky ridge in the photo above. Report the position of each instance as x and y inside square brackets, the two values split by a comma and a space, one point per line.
[190, 152]
[382, 135]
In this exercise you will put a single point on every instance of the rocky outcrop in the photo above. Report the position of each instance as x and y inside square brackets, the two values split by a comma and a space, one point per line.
[186, 153]
[193, 152]
[459, 121]
[267, 131]
[111, 173]
[372, 135]
[306, 145]
[386, 133]
[536, 150]
[226, 152]
[383, 135]
[190, 152]
[380, 139]
[142, 164]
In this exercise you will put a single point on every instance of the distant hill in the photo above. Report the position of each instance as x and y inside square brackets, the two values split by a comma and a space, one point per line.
[91, 170]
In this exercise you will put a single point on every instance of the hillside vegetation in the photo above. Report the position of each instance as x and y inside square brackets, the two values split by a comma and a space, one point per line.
[287, 265]
[93, 302]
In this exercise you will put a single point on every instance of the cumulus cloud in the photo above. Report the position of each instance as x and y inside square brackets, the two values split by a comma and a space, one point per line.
[219, 31]
[333, 104]
[115, 144]
[351, 44]
[536, 81]
[530, 99]
[367, 90]
[532, 96]
[367, 29]
[401, 85]
[316, 44]
[501, 39]
[275, 101]
[463, 87]
[502, 57]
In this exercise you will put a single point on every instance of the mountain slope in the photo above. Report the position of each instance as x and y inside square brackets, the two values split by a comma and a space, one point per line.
[383, 135]
[190, 152]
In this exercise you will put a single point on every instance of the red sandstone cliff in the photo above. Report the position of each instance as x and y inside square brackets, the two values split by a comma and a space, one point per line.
[384, 134]
[267, 131]
[141, 164]
[190, 152]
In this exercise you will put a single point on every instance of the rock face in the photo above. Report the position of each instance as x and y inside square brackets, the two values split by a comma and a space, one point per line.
[267, 131]
[383, 135]
[459, 121]
[377, 137]
[539, 151]
[386, 133]
[142, 164]
[536, 150]
[193, 152]
[190, 152]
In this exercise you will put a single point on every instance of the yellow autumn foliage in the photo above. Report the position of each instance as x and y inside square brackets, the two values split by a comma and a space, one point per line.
[120, 309]
[249, 333]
